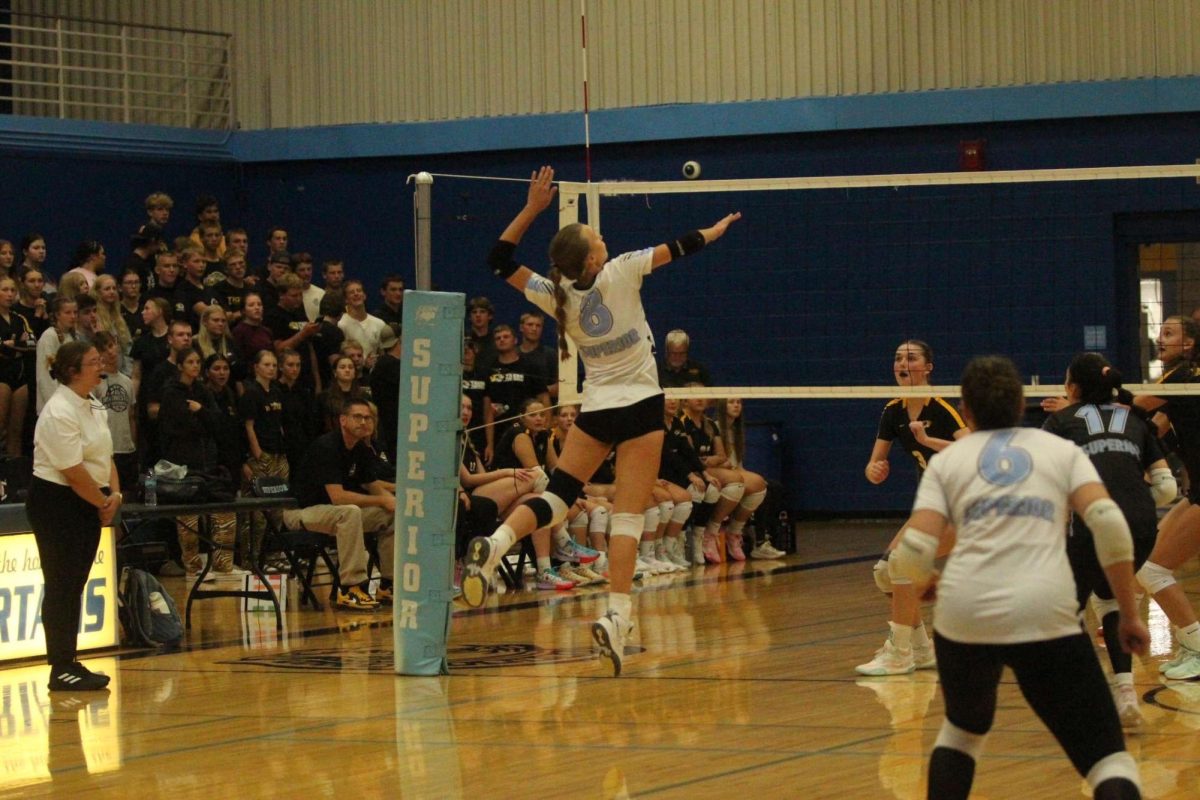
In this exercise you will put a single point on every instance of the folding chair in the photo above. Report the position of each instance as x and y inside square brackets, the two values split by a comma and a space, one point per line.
[301, 548]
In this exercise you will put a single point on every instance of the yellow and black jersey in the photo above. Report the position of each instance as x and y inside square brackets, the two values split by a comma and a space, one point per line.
[1184, 413]
[941, 421]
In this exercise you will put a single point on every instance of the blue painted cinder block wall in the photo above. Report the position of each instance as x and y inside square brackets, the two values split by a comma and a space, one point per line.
[812, 288]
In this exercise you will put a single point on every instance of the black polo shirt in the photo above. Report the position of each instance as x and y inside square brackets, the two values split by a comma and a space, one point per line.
[328, 461]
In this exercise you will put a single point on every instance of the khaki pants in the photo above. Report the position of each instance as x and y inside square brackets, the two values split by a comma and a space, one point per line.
[347, 524]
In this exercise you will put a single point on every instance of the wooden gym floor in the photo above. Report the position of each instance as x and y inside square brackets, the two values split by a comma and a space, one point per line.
[743, 686]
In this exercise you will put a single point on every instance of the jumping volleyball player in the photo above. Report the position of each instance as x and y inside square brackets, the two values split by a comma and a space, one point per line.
[923, 426]
[598, 304]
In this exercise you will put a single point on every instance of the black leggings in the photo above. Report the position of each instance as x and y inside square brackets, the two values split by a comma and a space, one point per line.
[1060, 678]
[67, 530]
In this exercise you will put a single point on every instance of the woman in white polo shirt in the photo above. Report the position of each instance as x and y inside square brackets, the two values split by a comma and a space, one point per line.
[74, 492]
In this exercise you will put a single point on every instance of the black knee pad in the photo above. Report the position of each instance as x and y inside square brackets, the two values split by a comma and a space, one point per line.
[484, 514]
[541, 511]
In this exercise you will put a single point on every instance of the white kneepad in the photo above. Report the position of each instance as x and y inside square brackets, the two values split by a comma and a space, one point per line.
[681, 512]
[540, 479]
[580, 520]
[627, 524]
[1154, 578]
[598, 520]
[752, 501]
[711, 494]
[696, 495]
[664, 511]
[733, 491]
[650, 517]
[883, 578]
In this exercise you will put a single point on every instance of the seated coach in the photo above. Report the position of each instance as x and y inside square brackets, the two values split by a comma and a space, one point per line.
[338, 495]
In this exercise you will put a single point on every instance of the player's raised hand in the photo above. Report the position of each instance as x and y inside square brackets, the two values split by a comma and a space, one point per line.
[718, 230]
[541, 189]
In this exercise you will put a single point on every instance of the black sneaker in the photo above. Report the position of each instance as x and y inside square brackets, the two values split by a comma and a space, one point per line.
[74, 678]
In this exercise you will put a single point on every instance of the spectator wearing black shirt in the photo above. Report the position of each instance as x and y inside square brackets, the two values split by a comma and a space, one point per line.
[208, 212]
[228, 429]
[230, 294]
[31, 303]
[345, 386]
[391, 310]
[16, 340]
[261, 409]
[677, 370]
[166, 277]
[339, 496]
[214, 261]
[187, 420]
[333, 276]
[129, 290]
[327, 341]
[151, 347]
[480, 314]
[510, 382]
[145, 245]
[474, 384]
[301, 420]
[278, 265]
[214, 338]
[158, 210]
[190, 290]
[385, 390]
[291, 330]
[543, 361]
[179, 340]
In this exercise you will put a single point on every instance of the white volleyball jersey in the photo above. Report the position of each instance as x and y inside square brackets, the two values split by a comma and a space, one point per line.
[1007, 493]
[608, 326]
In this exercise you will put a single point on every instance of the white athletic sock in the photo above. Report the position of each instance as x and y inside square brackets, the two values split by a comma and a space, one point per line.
[901, 635]
[502, 540]
[1189, 636]
[920, 637]
[735, 526]
[646, 549]
[561, 537]
[713, 527]
[544, 564]
[622, 604]
[1123, 679]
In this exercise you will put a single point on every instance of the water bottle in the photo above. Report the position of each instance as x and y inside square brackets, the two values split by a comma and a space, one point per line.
[151, 489]
[785, 531]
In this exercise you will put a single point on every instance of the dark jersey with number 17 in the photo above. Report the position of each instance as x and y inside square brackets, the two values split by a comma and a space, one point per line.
[1122, 447]
[939, 417]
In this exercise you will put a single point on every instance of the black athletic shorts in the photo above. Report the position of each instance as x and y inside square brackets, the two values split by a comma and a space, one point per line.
[615, 425]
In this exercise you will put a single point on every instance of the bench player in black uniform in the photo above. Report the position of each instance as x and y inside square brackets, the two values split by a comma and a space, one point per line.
[1179, 532]
[1123, 448]
[923, 426]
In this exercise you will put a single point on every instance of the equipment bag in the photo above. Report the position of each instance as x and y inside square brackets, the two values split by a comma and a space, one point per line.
[147, 612]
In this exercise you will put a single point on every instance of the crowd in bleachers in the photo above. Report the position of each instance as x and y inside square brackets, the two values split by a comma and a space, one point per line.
[230, 360]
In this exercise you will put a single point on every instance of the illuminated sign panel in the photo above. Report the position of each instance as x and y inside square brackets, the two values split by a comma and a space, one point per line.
[21, 590]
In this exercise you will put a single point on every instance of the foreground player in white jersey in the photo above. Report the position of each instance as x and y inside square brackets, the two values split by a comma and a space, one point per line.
[598, 304]
[1006, 597]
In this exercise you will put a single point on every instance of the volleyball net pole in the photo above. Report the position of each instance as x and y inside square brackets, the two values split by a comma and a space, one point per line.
[427, 432]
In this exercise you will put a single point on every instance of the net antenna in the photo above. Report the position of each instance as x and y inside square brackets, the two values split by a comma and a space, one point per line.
[570, 192]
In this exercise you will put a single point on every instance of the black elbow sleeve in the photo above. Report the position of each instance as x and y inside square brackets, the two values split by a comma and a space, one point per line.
[500, 260]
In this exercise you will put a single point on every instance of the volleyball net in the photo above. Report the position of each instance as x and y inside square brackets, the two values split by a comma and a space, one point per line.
[810, 294]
